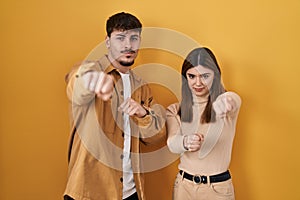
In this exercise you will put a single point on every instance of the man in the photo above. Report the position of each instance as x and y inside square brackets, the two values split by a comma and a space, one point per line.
[113, 114]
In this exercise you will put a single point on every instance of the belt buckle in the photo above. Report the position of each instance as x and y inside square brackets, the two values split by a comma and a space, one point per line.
[197, 179]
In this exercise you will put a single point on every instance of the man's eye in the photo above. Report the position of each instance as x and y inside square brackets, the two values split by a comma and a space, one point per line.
[134, 39]
[120, 38]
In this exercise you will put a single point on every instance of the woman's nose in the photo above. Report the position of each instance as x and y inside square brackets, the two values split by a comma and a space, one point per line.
[198, 81]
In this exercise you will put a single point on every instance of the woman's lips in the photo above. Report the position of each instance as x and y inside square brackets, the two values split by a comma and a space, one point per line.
[198, 89]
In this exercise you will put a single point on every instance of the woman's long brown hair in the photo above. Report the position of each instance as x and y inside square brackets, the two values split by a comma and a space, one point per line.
[204, 57]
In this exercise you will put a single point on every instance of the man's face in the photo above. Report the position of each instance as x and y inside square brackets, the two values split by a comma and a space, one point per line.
[123, 46]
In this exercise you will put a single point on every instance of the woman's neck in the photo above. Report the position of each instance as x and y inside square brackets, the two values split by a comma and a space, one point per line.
[200, 100]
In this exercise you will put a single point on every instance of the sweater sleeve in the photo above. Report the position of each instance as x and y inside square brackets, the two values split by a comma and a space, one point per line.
[175, 136]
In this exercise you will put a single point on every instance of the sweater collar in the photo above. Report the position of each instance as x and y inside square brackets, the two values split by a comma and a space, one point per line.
[200, 100]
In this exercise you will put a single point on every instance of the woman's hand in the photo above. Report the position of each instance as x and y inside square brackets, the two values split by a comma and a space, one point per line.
[224, 105]
[193, 142]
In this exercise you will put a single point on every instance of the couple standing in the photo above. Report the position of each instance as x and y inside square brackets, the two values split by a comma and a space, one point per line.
[113, 113]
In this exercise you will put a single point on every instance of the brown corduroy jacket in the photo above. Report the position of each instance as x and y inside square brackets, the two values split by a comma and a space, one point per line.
[96, 142]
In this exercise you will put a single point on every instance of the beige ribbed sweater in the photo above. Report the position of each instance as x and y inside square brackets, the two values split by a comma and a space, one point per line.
[218, 159]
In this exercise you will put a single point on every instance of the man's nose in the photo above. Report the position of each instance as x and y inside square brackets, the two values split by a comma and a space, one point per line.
[127, 43]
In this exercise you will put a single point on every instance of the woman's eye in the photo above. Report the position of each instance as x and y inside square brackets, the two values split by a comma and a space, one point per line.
[191, 76]
[205, 76]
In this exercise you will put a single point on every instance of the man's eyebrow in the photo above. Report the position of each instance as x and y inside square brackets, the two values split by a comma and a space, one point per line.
[121, 34]
[124, 35]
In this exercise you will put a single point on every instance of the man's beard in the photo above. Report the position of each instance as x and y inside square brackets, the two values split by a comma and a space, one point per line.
[126, 64]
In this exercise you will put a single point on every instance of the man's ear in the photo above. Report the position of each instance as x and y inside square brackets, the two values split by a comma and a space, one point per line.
[107, 42]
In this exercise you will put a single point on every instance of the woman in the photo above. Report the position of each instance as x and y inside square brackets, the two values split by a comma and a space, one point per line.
[201, 128]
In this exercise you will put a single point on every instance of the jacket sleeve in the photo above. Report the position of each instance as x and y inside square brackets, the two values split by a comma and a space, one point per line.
[152, 126]
[175, 136]
[76, 91]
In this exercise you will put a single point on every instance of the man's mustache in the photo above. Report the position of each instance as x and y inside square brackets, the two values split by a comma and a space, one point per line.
[128, 51]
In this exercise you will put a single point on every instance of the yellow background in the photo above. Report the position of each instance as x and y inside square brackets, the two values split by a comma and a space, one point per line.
[256, 42]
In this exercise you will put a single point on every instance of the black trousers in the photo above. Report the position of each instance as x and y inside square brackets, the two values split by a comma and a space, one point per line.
[132, 197]
[66, 197]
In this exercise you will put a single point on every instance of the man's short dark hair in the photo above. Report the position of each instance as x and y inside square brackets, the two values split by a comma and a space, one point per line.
[122, 22]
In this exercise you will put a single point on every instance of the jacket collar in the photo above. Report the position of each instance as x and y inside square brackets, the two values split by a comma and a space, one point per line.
[107, 67]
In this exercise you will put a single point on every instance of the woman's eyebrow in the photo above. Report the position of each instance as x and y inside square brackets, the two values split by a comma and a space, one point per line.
[206, 73]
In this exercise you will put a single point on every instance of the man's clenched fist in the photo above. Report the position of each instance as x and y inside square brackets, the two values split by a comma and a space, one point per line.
[100, 83]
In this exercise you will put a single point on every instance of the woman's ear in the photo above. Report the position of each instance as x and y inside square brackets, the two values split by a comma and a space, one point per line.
[107, 42]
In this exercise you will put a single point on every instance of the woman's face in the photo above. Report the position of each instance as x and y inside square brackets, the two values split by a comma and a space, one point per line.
[200, 80]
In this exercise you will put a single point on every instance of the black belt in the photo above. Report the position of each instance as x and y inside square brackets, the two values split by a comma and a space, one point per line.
[203, 179]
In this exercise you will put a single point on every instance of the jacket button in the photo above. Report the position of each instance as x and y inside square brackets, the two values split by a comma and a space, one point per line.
[123, 134]
[121, 180]
[122, 156]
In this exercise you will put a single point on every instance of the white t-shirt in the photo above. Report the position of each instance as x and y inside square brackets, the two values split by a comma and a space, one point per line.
[128, 181]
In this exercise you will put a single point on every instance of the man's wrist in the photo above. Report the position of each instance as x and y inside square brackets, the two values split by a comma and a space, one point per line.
[147, 113]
